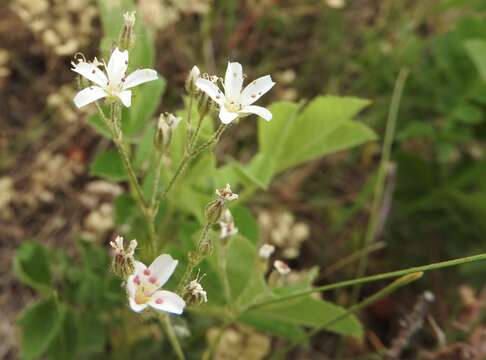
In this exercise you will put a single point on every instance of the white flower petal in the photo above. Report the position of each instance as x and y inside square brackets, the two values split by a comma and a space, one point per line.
[136, 307]
[164, 300]
[88, 95]
[126, 97]
[117, 66]
[131, 287]
[225, 116]
[139, 268]
[211, 89]
[233, 81]
[90, 72]
[254, 90]
[258, 110]
[139, 77]
[162, 268]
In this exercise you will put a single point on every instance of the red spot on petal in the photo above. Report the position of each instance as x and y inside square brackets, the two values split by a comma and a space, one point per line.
[146, 272]
[152, 280]
[136, 280]
[159, 301]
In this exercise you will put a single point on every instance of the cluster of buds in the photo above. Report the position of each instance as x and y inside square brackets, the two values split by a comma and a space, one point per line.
[165, 127]
[194, 294]
[127, 35]
[215, 209]
[123, 263]
[227, 225]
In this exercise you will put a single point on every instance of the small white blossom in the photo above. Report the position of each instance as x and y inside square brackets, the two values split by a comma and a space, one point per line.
[266, 251]
[144, 284]
[226, 194]
[197, 292]
[123, 262]
[235, 102]
[281, 267]
[113, 82]
[227, 225]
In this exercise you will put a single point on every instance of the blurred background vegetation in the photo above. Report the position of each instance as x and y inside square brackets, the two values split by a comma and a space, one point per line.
[435, 190]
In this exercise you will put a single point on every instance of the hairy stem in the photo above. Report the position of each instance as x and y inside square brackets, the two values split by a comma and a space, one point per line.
[113, 124]
[195, 258]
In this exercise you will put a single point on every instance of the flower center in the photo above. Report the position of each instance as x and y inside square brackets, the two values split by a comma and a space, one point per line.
[232, 106]
[144, 290]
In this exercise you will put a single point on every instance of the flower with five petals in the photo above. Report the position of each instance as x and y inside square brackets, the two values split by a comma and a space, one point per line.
[113, 83]
[235, 101]
[143, 286]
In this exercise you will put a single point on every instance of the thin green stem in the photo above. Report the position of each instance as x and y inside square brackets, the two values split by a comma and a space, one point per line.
[381, 177]
[156, 183]
[189, 122]
[195, 135]
[395, 285]
[169, 330]
[372, 278]
[195, 258]
[185, 161]
[113, 124]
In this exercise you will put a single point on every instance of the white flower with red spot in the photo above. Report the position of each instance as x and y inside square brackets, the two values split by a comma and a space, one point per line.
[143, 286]
[235, 101]
[113, 83]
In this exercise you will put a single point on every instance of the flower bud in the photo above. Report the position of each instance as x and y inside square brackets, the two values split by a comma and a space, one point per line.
[194, 294]
[166, 125]
[227, 224]
[194, 74]
[127, 35]
[214, 210]
[281, 267]
[123, 263]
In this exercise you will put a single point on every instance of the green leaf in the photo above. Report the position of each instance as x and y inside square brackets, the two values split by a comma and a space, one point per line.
[97, 122]
[246, 223]
[476, 48]
[108, 165]
[241, 264]
[323, 127]
[65, 345]
[31, 265]
[146, 99]
[91, 333]
[39, 324]
[307, 311]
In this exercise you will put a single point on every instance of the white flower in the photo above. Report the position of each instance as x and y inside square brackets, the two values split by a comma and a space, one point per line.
[266, 251]
[112, 84]
[143, 286]
[235, 102]
[197, 292]
[225, 194]
[227, 224]
[281, 267]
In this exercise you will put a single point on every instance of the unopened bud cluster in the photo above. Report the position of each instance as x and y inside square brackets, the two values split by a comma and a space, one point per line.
[123, 263]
